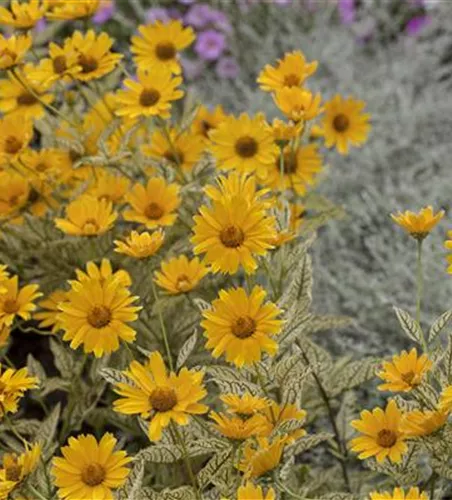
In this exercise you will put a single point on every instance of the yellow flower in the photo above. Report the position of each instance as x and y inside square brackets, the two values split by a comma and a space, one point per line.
[16, 468]
[18, 94]
[243, 143]
[140, 246]
[13, 50]
[153, 205]
[5, 332]
[241, 326]
[62, 64]
[48, 317]
[298, 104]
[422, 423]
[94, 55]
[47, 165]
[276, 415]
[237, 185]
[299, 169]
[182, 149]
[150, 95]
[345, 123]
[90, 469]
[448, 245]
[108, 186]
[13, 385]
[445, 402]
[15, 135]
[23, 15]
[405, 372]
[261, 456]
[17, 302]
[103, 273]
[418, 225]
[159, 396]
[180, 275]
[383, 436]
[95, 314]
[244, 405]
[399, 494]
[206, 120]
[70, 10]
[237, 428]
[296, 214]
[159, 45]
[87, 216]
[291, 71]
[13, 196]
[251, 492]
[283, 132]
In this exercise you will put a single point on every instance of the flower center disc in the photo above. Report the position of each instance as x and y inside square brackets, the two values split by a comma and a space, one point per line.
[10, 306]
[408, 377]
[149, 97]
[246, 147]
[88, 64]
[153, 211]
[205, 128]
[13, 472]
[165, 51]
[93, 474]
[244, 327]
[386, 438]
[290, 163]
[232, 237]
[27, 99]
[99, 316]
[59, 64]
[174, 157]
[341, 123]
[291, 80]
[183, 283]
[90, 226]
[12, 145]
[163, 399]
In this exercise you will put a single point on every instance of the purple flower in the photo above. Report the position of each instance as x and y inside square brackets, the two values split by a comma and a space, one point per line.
[282, 2]
[41, 25]
[415, 25]
[347, 11]
[227, 67]
[187, 2]
[199, 15]
[192, 68]
[220, 21]
[210, 45]
[157, 14]
[104, 12]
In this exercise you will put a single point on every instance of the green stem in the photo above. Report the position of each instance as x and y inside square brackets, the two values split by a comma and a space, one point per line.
[163, 328]
[264, 390]
[36, 493]
[284, 488]
[14, 431]
[419, 290]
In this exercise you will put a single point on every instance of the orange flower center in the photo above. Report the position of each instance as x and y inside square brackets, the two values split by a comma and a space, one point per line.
[99, 316]
[174, 156]
[41, 167]
[26, 99]
[244, 327]
[408, 378]
[291, 80]
[232, 237]
[8, 53]
[12, 145]
[165, 51]
[341, 122]
[205, 128]
[290, 164]
[10, 306]
[246, 147]
[13, 470]
[149, 97]
[183, 283]
[91, 226]
[88, 63]
[59, 64]
[386, 438]
[93, 474]
[163, 399]
[154, 211]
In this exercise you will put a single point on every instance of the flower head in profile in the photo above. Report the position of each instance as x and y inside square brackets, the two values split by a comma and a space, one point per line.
[298, 104]
[261, 456]
[23, 15]
[153, 205]
[87, 216]
[290, 71]
[103, 273]
[418, 225]
[249, 491]
[17, 301]
[15, 468]
[13, 49]
[70, 10]
[13, 196]
[108, 186]
[180, 275]
[405, 372]
[207, 120]
[140, 245]
[158, 46]
[159, 396]
[399, 494]
[245, 405]
[49, 311]
[237, 185]
[276, 415]
[237, 428]
[13, 385]
[423, 423]
[47, 166]
[382, 434]
[283, 132]
[445, 402]
[344, 123]
[15, 135]
[90, 468]
[242, 326]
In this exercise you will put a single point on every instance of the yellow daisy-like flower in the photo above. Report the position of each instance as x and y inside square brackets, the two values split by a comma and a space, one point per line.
[16, 468]
[70, 10]
[243, 143]
[96, 314]
[13, 50]
[291, 71]
[180, 275]
[237, 428]
[15, 135]
[13, 196]
[237, 185]
[445, 402]
[13, 385]
[87, 216]
[245, 404]
[17, 302]
[149, 95]
[90, 469]
[47, 165]
[159, 45]
[405, 372]
[103, 273]
[448, 245]
[423, 423]
[108, 186]
[261, 456]
[299, 169]
[399, 494]
[159, 396]
[383, 436]
[207, 120]
[48, 316]
[94, 56]
[180, 149]
[418, 225]
[140, 245]
[23, 15]
[345, 123]
[298, 104]
[153, 205]
[283, 132]
[251, 492]
[242, 326]
[276, 415]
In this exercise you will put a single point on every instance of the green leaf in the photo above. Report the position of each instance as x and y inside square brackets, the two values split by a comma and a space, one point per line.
[214, 465]
[186, 350]
[35, 368]
[114, 377]
[354, 373]
[47, 430]
[299, 288]
[438, 325]
[307, 442]
[54, 384]
[230, 380]
[160, 454]
[131, 489]
[409, 325]
[65, 360]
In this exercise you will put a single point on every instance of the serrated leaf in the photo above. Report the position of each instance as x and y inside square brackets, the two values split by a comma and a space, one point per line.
[230, 380]
[54, 384]
[207, 474]
[409, 325]
[353, 374]
[160, 454]
[438, 325]
[299, 289]
[64, 359]
[288, 427]
[186, 350]
[114, 377]
[131, 490]
[307, 442]
[47, 430]
[315, 356]
[35, 368]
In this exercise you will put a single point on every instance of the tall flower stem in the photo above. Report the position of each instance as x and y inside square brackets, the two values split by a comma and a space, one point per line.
[420, 289]
[163, 328]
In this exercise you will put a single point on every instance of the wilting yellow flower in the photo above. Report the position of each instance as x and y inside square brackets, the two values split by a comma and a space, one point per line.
[251, 492]
[242, 326]
[285, 131]
[344, 123]
[207, 120]
[445, 402]
[13, 49]
[159, 396]
[95, 314]
[13, 196]
[17, 302]
[90, 469]
[245, 404]
[243, 143]
[103, 273]
[70, 10]
[260, 456]
[140, 245]
[15, 135]
[150, 95]
[276, 415]
[422, 423]
[383, 436]
[405, 372]
[108, 186]
[399, 494]
[237, 428]
[180, 275]
[298, 104]
[15, 468]
[13, 385]
[23, 15]
[87, 216]
[48, 316]
[153, 205]
[181, 149]
[418, 225]
[159, 45]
